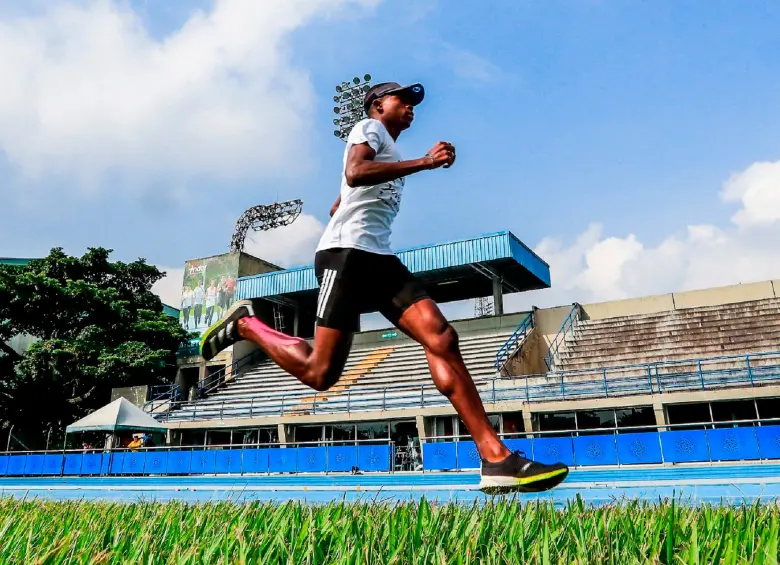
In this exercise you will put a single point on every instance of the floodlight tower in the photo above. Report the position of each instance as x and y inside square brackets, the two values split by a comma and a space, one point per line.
[349, 97]
[264, 218]
[483, 306]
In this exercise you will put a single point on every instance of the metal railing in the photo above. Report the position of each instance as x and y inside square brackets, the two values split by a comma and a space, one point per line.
[571, 319]
[507, 350]
[756, 369]
[214, 380]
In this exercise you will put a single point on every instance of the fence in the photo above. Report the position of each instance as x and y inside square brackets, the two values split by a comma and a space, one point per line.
[518, 336]
[746, 440]
[368, 455]
[755, 369]
[567, 326]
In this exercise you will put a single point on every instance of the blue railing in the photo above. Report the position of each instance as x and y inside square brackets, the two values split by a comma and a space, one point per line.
[704, 443]
[568, 325]
[518, 336]
[755, 369]
[368, 455]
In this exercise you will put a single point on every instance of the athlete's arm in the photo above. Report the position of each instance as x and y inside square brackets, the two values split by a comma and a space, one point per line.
[335, 206]
[362, 170]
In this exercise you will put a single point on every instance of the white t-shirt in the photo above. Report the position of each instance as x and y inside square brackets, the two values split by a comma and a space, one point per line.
[363, 219]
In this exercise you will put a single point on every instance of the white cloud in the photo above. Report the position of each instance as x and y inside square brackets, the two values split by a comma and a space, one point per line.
[288, 246]
[596, 267]
[88, 92]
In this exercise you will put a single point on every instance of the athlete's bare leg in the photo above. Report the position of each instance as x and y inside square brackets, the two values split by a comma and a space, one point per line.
[318, 367]
[425, 323]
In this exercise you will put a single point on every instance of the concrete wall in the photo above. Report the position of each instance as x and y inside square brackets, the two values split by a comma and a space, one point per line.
[250, 265]
[530, 360]
[680, 300]
[135, 394]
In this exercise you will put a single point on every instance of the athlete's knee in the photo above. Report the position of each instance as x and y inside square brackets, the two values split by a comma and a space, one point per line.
[443, 340]
[323, 376]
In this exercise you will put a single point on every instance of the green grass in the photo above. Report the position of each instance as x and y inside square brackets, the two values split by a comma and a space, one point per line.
[293, 533]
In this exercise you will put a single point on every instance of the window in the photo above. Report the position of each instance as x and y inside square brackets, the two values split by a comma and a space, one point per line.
[268, 435]
[304, 434]
[340, 432]
[372, 431]
[218, 437]
[443, 426]
[768, 408]
[513, 423]
[404, 433]
[732, 410]
[595, 419]
[634, 417]
[689, 414]
[463, 431]
[554, 421]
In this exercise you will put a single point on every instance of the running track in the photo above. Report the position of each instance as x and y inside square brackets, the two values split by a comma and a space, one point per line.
[691, 484]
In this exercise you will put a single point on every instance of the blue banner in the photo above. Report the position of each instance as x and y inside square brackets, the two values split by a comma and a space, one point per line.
[732, 444]
[553, 450]
[133, 463]
[203, 462]
[467, 455]
[255, 461]
[311, 459]
[522, 445]
[685, 446]
[342, 458]
[439, 456]
[52, 464]
[595, 450]
[768, 442]
[374, 457]
[92, 463]
[639, 448]
[16, 464]
[282, 460]
[228, 461]
[179, 462]
[3, 464]
[116, 462]
[34, 465]
[73, 464]
[156, 462]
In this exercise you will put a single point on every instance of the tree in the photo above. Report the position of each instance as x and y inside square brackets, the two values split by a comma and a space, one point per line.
[98, 326]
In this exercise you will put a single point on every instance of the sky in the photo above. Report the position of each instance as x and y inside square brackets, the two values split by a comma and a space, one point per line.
[634, 145]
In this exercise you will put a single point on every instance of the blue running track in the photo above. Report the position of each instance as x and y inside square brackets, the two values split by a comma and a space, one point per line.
[735, 484]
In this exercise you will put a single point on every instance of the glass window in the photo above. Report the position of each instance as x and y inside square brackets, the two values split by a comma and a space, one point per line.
[403, 433]
[377, 430]
[218, 437]
[513, 423]
[728, 411]
[594, 419]
[443, 426]
[689, 413]
[553, 421]
[463, 431]
[193, 437]
[340, 432]
[305, 434]
[769, 408]
[634, 417]
[268, 435]
[244, 437]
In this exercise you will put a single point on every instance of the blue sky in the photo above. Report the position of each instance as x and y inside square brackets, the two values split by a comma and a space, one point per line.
[608, 135]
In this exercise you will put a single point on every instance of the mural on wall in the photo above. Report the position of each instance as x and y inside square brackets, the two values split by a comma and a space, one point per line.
[208, 291]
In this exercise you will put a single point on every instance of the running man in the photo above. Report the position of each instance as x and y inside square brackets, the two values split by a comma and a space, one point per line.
[358, 272]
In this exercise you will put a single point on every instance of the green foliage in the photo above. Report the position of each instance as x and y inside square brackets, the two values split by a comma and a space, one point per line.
[376, 534]
[98, 326]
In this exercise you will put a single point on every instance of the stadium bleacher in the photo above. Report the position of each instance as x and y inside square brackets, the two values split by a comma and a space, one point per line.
[380, 377]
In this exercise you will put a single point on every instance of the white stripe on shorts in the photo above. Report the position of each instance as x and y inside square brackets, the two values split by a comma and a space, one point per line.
[325, 289]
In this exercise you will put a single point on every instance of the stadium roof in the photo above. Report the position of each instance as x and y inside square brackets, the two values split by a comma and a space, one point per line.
[456, 270]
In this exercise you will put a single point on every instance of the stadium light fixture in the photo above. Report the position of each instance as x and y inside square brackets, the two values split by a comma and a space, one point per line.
[264, 218]
[349, 111]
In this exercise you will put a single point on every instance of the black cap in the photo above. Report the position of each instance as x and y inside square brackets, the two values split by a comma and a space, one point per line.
[415, 91]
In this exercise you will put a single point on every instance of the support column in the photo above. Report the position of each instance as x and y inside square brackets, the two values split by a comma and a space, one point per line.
[528, 425]
[498, 297]
[660, 415]
[282, 431]
[421, 428]
[296, 320]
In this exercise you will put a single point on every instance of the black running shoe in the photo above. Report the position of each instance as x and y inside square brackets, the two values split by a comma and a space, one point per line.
[224, 333]
[518, 474]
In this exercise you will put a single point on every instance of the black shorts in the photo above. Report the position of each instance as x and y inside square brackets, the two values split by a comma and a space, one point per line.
[353, 282]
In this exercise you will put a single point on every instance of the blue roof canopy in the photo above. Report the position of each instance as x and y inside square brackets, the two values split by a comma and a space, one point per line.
[456, 270]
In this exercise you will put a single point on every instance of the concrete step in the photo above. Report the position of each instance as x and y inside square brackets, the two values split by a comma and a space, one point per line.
[674, 323]
[732, 307]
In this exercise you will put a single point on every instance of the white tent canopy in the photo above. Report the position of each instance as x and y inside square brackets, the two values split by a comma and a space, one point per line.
[120, 415]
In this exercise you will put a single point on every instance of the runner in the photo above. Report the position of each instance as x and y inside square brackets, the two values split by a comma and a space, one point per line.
[357, 272]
